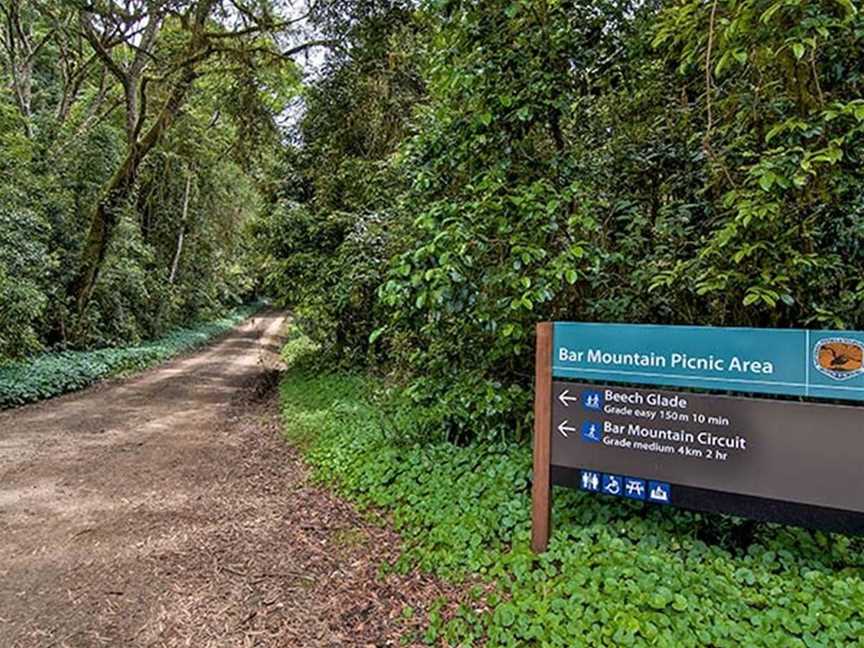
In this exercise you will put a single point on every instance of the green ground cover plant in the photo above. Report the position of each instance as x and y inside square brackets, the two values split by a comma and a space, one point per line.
[53, 374]
[617, 573]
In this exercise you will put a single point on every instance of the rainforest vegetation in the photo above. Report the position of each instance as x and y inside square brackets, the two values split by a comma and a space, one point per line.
[419, 182]
[422, 182]
[466, 169]
[138, 140]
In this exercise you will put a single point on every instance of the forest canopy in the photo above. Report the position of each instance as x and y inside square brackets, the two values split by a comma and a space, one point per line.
[466, 169]
[421, 182]
[137, 143]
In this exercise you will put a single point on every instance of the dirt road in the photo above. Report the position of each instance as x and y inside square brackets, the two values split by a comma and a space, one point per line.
[165, 510]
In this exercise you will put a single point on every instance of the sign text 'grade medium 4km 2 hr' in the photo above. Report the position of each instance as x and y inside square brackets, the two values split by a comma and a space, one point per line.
[794, 462]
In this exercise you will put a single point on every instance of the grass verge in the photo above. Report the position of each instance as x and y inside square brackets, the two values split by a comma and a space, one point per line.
[53, 374]
[617, 573]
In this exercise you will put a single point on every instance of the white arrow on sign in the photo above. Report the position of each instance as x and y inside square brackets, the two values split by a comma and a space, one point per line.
[563, 429]
[565, 397]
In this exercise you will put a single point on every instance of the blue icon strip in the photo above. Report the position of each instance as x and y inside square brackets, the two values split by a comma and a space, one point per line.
[623, 486]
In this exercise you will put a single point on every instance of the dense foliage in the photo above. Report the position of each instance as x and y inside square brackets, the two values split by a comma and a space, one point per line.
[457, 171]
[467, 169]
[137, 145]
[617, 573]
[53, 374]
[327, 242]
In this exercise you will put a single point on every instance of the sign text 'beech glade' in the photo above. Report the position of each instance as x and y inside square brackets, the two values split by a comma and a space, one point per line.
[794, 462]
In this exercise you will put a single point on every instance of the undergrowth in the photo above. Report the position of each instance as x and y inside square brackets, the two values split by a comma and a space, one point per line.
[53, 374]
[617, 573]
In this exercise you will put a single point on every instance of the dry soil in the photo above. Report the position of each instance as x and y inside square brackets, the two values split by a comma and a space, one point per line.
[166, 510]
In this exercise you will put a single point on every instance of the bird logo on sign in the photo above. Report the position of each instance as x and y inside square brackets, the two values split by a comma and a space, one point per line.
[839, 358]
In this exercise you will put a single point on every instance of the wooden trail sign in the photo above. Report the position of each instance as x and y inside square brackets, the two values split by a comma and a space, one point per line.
[777, 460]
[541, 487]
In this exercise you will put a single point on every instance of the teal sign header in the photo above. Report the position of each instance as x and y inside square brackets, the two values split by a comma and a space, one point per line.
[795, 362]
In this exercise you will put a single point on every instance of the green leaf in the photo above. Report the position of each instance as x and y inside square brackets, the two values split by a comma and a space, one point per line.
[376, 334]
[798, 50]
[774, 131]
[658, 602]
[506, 615]
[769, 13]
[723, 63]
[660, 38]
[849, 6]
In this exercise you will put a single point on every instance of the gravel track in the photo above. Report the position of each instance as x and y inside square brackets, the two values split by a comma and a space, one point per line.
[166, 510]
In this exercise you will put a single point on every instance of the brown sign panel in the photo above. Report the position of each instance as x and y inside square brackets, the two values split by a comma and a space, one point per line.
[645, 443]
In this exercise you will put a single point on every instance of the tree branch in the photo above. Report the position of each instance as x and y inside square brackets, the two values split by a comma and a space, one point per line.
[142, 113]
[142, 51]
[102, 52]
[257, 28]
[323, 42]
[32, 54]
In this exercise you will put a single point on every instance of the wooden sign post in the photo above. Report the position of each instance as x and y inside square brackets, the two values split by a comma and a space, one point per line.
[541, 489]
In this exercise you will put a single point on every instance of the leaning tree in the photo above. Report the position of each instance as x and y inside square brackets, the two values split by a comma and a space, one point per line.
[156, 51]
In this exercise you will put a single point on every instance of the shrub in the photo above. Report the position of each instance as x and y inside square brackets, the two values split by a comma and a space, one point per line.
[328, 269]
[25, 264]
[686, 162]
[52, 374]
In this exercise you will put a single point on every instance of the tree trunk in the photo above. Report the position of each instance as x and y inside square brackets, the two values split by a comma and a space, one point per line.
[23, 79]
[133, 106]
[118, 192]
[17, 42]
[176, 263]
[105, 217]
